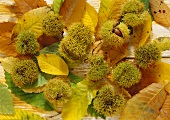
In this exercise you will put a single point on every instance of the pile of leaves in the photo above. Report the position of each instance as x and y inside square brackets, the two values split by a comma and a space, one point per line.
[147, 100]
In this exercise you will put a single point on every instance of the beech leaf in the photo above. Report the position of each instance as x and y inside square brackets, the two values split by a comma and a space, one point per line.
[6, 46]
[8, 63]
[109, 10]
[165, 110]
[160, 12]
[156, 73]
[90, 17]
[72, 11]
[27, 5]
[77, 106]
[21, 115]
[52, 64]
[146, 104]
[142, 32]
[56, 5]
[31, 20]
[34, 99]
[6, 102]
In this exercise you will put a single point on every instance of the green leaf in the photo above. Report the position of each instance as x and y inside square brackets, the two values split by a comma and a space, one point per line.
[52, 49]
[21, 115]
[32, 20]
[77, 106]
[35, 99]
[74, 78]
[6, 102]
[52, 64]
[56, 5]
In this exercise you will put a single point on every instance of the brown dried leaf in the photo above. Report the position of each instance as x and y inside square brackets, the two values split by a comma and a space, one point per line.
[160, 12]
[72, 11]
[154, 74]
[27, 5]
[165, 110]
[6, 47]
[146, 104]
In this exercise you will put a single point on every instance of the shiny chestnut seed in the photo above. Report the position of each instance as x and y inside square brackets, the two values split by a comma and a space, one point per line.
[117, 32]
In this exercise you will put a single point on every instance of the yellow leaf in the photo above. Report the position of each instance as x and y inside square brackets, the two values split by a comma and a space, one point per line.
[21, 115]
[31, 20]
[142, 32]
[160, 12]
[157, 73]
[90, 17]
[146, 104]
[109, 10]
[165, 110]
[52, 64]
[27, 5]
[8, 63]
[72, 11]
[76, 107]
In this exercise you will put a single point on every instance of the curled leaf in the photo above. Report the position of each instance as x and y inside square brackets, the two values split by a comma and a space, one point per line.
[146, 104]
[160, 12]
[56, 5]
[52, 64]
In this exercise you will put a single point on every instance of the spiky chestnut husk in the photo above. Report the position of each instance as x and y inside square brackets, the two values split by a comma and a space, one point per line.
[107, 102]
[98, 68]
[57, 92]
[113, 35]
[27, 43]
[147, 55]
[25, 72]
[132, 6]
[80, 33]
[75, 46]
[132, 19]
[126, 74]
[52, 25]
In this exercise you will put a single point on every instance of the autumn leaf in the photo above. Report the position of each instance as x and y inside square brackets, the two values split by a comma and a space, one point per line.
[156, 73]
[72, 11]
[6, 46]
[90, 17]
[52, 64]
[146, 104]
[32, 21]
[160, 12]
[8, 63]
[109, 10]
[21, 115]
[142, 32]
[165, 110]
[77, 106]
[56, 5]
[6, 102]
[27, 5]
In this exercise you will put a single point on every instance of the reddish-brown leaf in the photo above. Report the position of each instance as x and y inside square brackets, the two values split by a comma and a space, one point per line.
[27, 5]
[160, 12]
[72, 11]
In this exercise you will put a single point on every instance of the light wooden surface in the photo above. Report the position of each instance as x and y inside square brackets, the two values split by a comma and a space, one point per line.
[6, 15]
